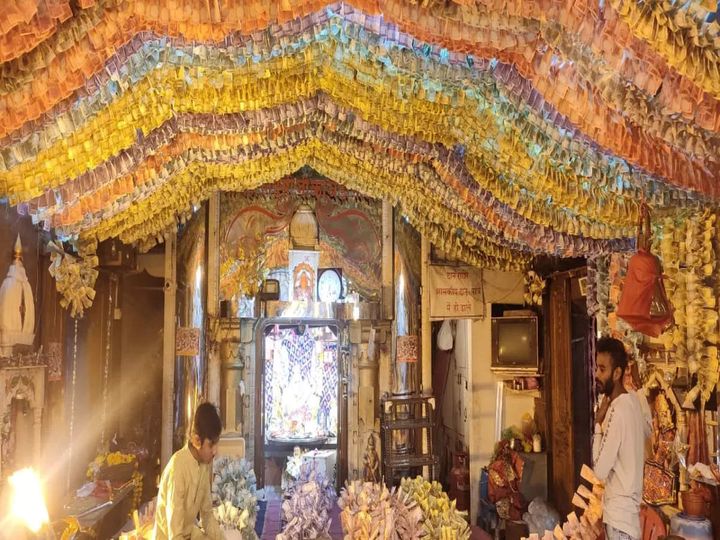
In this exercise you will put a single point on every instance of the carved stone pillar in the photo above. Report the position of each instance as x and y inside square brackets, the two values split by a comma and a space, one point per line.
[407, 307]
[168, 372]
[213, 294]
[26, 383]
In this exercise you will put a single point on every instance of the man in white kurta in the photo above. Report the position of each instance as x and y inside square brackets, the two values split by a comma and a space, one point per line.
[619, 451]
[618, 444]
[184, 492]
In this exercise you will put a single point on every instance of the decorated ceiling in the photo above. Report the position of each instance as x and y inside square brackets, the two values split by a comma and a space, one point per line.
[502, 129]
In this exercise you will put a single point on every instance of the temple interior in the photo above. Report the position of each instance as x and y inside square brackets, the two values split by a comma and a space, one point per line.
[374, 269]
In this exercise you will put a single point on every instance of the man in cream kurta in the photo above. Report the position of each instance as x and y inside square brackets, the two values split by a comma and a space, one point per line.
[184, 492]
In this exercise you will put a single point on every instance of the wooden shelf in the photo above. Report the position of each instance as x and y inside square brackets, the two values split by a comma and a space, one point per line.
[414, 415]
[408, 424]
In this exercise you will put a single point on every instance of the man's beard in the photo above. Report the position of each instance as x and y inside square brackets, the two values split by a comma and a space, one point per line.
[606, 387]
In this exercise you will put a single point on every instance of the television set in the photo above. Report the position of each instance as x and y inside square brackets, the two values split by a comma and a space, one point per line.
[515, 344]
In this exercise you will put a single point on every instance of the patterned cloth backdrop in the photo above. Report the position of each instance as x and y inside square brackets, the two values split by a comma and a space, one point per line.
[328, 401]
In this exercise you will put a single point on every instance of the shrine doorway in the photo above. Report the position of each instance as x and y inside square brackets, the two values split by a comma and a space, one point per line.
[298, 399]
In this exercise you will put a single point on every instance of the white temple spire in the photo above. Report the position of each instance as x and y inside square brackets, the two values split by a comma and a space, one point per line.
[17, 306]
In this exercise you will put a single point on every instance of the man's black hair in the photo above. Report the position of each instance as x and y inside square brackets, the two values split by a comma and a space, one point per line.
[616, 350]
[206, 423]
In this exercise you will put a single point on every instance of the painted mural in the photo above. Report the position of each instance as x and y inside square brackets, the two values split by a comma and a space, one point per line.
[254, 233]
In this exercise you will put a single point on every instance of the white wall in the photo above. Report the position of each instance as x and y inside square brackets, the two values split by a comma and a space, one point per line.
[457, 402]
[482, 402]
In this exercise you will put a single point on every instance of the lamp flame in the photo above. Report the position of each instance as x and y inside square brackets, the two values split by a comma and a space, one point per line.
[28, 503]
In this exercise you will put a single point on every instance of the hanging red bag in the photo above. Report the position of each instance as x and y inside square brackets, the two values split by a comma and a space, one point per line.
[644, 304]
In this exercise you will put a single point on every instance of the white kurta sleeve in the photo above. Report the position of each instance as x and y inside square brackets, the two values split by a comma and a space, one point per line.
[647, 413]
[209, 523]
[596, 440]
[608, 446]
[175, 496]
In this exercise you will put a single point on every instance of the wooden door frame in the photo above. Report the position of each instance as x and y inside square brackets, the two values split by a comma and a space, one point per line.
[560, 379]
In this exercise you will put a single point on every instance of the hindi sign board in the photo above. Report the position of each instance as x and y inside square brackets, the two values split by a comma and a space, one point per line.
[456, 292]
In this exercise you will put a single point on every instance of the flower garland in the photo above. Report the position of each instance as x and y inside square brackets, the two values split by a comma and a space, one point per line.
[112, 459]
[74, 276]
[107, 460]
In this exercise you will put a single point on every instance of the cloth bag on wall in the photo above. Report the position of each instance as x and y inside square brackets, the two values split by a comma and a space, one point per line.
[644, 304]
[445, 337]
